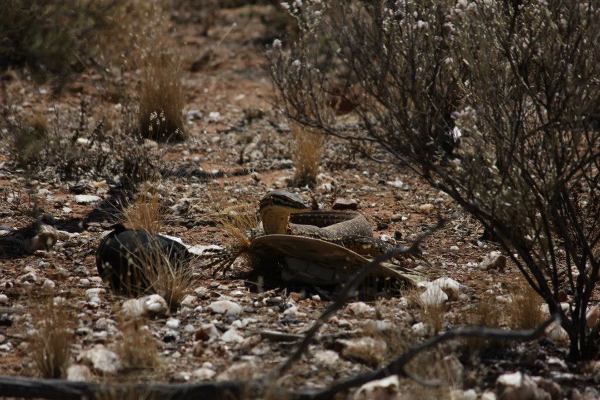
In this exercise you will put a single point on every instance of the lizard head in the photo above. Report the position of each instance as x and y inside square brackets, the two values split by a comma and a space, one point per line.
[275, 210]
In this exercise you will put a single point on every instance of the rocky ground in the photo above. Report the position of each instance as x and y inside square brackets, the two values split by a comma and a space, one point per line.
[240, 147]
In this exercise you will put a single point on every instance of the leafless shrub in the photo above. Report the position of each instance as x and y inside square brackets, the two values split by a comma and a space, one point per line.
[494, 103]
[161, 99]
[73, 147]
[50, 344]
[137, 347]
[307, 152]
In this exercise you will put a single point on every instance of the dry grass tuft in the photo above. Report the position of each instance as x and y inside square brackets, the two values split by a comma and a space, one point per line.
[145, 213]
[432, 315]
[162, 100]
[524, 310]
[30, 139]
[137, 347]
[237, 223]
[170, 280]
[486, 313]
[50, 344]
[307, 152]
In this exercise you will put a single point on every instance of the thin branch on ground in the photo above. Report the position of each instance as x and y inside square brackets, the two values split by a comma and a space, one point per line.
[397, 367]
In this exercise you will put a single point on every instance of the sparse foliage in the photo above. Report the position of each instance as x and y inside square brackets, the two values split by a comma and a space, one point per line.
[67, 36]
[51, 340]
[494, 103]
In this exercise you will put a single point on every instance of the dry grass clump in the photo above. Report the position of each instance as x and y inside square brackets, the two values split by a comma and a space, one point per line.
[486, 313]
[162, 100]
[166, 274]
[238, 224]
[50, 344]
[137, 347]
[307, 152]
[432, 315]
[145, 213]
[524, 311]
[30, 140]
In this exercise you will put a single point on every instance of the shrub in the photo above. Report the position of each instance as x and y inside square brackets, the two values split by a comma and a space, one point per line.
[161, 100]
[495, 103]
[61, 37]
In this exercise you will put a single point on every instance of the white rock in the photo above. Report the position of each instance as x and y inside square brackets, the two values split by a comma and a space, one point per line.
[419, 329]
[155, 304]
[207, 332]
[557, 334]
[226, 307]
[449, 286]
[93, 293]
[326, 357]
[3, 299]
[150, 305]
[48, 284]
[172, 323]
[203, 374]
[382, 389]
[361, 309]
[101, 359]
[188, 301]
[214, 116]
[433, 296]
[454, 248]
[518, 386]
[87, 198]
[488, 396]
[458, 394]
[494, 260]
[232, 336]
[78, 372]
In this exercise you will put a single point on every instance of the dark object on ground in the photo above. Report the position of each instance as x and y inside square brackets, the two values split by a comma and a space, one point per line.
[129, 259]
[489, 235]
[25, 241]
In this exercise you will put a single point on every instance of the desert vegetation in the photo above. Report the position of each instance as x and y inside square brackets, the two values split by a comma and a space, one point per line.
[300, 199]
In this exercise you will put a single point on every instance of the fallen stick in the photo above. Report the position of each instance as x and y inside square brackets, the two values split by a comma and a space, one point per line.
[12, 386]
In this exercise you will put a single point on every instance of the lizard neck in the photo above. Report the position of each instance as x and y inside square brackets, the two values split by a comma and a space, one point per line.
[275, 220]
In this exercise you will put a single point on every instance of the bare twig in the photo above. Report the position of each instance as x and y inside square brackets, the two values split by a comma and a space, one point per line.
[345, 295]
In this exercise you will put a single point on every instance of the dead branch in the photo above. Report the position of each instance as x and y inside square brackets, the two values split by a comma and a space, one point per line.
[12, 386]
[345, 295]
[397, 367]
